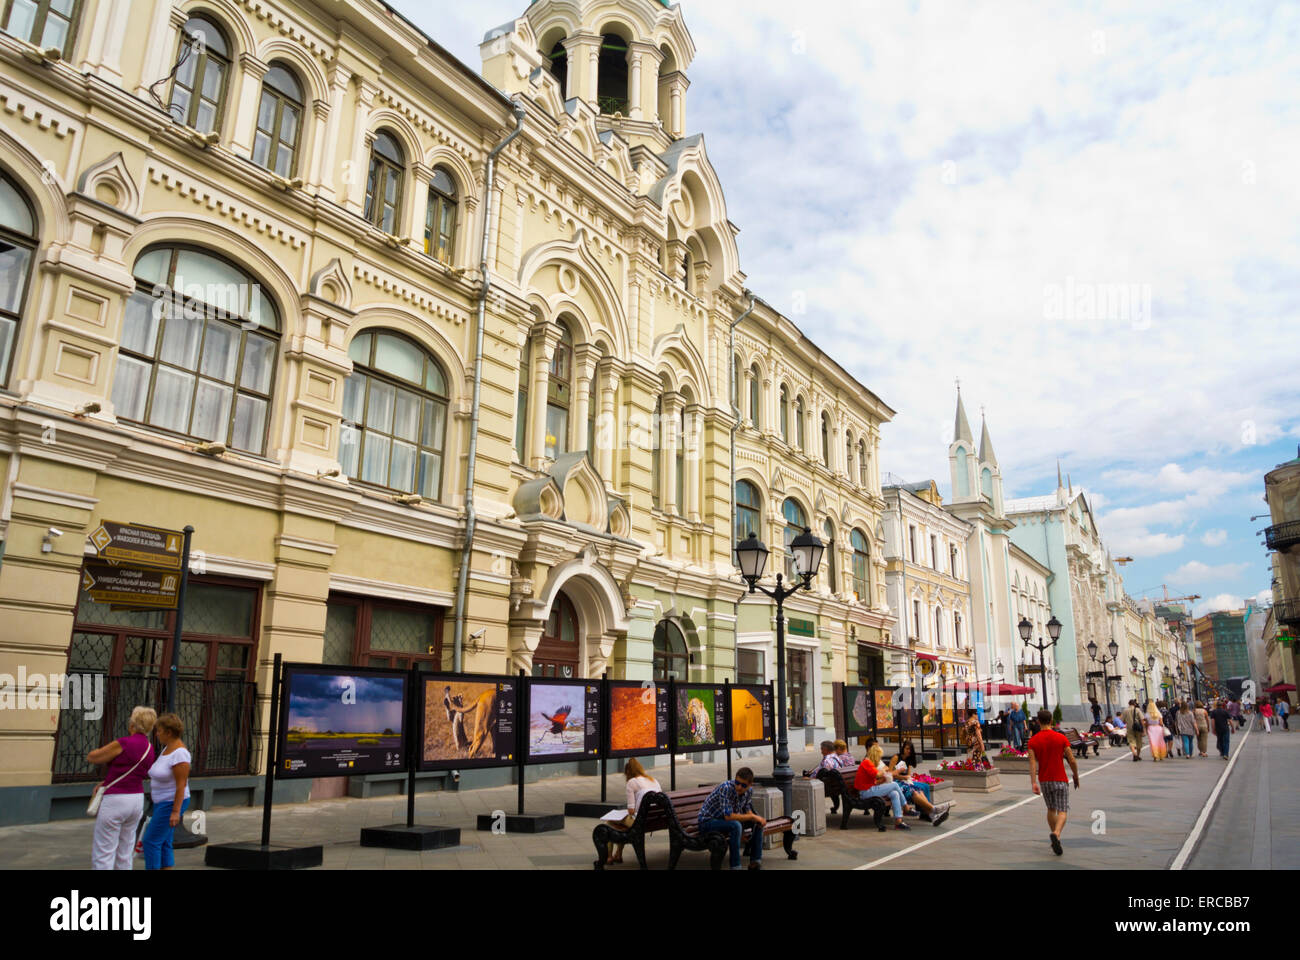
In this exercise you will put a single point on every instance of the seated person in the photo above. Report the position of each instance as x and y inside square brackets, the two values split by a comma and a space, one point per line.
[727, 809]
[873, 782]
[843, 755]
[903, 765]
[829, 760]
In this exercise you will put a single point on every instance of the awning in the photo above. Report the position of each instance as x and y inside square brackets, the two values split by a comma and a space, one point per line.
[995, 689]
[1280, 688]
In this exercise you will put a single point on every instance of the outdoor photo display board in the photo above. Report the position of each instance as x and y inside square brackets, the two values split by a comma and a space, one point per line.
[858, 710]
[563, 720]
[701, 716]
[467, 721]
[639, 714]
[341, 721]
[885, 718]
[751, 715]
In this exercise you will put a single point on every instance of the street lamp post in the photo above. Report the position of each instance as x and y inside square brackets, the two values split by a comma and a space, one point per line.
[1113, 647]
[752, 556]
[1054, 631]
[1145, 671]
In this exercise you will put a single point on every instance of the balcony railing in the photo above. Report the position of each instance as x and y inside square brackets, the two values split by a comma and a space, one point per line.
[1287, 612]
[1282, 536]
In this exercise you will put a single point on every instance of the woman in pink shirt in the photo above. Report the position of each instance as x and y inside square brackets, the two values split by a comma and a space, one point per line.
[128, 759]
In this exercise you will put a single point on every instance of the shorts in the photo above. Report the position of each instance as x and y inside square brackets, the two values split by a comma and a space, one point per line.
[1056, 794]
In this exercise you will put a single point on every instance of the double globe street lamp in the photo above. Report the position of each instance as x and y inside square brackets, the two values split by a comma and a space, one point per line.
[1054, 631]
[1145, 671]
[752, 555]
[1113, 647]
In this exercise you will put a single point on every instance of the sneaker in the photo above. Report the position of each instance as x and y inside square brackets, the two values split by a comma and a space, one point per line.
[941, 813]
[1056, 844]
[756, 864]
[900, 825]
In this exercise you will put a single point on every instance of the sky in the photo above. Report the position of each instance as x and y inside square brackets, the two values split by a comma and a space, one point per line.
[1086, 212]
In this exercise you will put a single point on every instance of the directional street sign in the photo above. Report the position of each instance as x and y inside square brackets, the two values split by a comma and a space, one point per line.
[135, 587]
[133, 544]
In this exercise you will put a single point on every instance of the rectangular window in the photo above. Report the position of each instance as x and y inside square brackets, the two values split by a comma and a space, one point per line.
[368, 632]
[911, 543]
[916, 618]
[934, 551]
[750, 667]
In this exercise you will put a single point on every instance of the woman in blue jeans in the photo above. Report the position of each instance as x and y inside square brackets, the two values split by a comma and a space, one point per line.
[168, 779]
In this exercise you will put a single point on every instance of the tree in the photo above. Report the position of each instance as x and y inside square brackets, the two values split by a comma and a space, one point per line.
[1056, 714]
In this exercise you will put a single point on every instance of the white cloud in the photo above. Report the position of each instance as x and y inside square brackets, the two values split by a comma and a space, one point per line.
[1219, 602]
[1214, 538]
[1194, 573]
[1138, 542]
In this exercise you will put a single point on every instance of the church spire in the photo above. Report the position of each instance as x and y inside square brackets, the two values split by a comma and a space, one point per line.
[986, 445]
[961, 429]
[1059, 484]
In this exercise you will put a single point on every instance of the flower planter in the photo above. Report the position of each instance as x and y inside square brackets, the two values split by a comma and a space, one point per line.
[941, 792]
[971, 781]
[1013, 764]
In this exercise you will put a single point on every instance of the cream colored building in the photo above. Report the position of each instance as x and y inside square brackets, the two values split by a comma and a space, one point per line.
[929, 587]
[291, 274]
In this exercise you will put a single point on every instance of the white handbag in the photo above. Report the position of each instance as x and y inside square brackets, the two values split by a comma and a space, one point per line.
[97, 796]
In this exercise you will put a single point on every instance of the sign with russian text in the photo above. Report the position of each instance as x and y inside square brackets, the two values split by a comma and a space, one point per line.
[134, 587]
[135, 545]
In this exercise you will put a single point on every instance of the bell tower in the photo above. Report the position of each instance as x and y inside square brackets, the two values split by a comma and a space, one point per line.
[627, 61]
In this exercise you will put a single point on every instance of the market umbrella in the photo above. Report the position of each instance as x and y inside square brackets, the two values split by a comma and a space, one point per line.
[999, 689]
[1281, 688]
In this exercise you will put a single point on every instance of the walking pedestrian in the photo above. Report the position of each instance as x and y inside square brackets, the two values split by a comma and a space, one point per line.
[1016, 726]
[974, 738]
[1283, 708]
[1266, 711]
[1096, 713]
[1156, 732]
[122, 805]
[1222, 720]
[1133, 728]
[170, 790]
[1202, 728]
[1048, 752]
[1185, 722]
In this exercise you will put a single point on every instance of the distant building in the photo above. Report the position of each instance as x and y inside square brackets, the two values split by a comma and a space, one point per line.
[1223, 644]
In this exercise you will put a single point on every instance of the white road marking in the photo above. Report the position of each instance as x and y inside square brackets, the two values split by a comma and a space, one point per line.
[988, 816]
[1185, 853]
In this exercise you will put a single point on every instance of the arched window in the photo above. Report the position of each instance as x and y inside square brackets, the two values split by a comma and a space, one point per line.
[521, 402]
[679, 458]
[279, 120]
[384, 182]
[559, 393]
[611, 79]
[755, 402]
[826, 440]
[862, 463]
[861, 566]
[749, 511]
[440, 219]
[558, 62]
[671, 658]
[795, 523]
[784, 414]
[799, 418]
[557, 651]
[832, 567]
[45, 23]
[199, 89]
[198, 349]
[656, 454]
[17, 249]
[394, 415]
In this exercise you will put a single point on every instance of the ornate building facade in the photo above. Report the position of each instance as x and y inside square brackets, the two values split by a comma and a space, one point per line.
[438, 365]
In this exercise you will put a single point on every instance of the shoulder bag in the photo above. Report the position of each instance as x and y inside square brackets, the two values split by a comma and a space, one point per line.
[97, 796]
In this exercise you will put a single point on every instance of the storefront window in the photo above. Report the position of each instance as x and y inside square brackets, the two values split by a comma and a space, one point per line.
[799, 681]
[750, 666]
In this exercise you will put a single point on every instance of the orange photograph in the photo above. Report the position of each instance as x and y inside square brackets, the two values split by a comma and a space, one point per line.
[632, 718]
[746, 716]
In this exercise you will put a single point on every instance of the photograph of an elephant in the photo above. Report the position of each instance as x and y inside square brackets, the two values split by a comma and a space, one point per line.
[463, 722]
[699, 723]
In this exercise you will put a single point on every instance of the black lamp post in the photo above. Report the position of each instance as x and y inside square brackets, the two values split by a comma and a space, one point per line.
[1054, 631]
[1113, 647]
[1145, 671]
[752, 555]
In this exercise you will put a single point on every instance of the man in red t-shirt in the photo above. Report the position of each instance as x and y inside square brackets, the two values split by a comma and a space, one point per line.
[1048, 753]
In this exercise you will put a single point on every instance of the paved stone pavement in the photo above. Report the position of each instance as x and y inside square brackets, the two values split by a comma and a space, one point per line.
[1147, 811]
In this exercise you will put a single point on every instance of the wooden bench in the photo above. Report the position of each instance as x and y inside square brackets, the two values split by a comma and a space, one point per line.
[678, 812]
[839, 787]
[1080, 744]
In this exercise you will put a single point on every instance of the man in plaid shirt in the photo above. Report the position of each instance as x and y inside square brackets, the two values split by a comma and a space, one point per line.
[727, 809]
